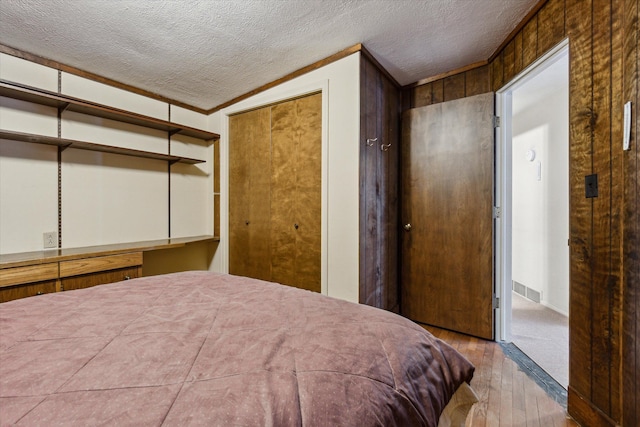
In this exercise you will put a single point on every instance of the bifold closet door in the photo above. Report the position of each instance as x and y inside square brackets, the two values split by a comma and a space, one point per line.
[275, 193]
[250, 194]
[296, 139]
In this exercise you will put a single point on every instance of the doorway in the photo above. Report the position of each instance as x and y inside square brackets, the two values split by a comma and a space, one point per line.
[532, 268]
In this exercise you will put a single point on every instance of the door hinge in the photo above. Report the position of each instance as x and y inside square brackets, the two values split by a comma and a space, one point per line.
[496, 302]
[497, 212]
[496, 121]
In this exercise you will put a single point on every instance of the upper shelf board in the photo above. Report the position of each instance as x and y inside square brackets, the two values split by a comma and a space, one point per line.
[82, 145]
[64, 102]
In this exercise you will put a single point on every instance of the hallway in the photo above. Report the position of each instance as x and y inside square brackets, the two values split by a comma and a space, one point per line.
[543, 335]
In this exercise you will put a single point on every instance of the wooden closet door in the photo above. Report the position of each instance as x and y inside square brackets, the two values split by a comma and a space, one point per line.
[249, 194]
[296, 137]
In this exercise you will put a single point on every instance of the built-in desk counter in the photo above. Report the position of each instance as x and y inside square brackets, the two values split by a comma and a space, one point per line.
[54, 270]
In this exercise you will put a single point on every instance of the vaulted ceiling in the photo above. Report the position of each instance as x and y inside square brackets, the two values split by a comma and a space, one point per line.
[206, 52]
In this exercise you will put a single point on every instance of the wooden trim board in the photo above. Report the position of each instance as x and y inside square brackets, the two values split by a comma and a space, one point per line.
[304, 70]
[101, 79]
[96, 77]
[447, 74]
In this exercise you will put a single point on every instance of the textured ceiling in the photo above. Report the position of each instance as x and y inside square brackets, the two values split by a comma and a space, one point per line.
[206, 52]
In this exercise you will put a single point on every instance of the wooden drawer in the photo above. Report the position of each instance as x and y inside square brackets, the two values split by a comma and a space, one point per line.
[8, 293]
[100, 278]
[29, 274]
[100, 264]
[21, 282]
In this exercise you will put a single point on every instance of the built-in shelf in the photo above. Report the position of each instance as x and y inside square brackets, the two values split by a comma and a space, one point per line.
[82, 145]
[68, 103]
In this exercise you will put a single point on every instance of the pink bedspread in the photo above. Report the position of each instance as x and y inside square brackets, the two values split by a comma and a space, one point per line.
[201, 348]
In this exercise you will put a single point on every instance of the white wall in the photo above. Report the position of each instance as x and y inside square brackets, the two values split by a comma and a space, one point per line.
[106, 198]
[191, 185]
[28, 173]
[541, 207]
[340, 85]
[218, 259]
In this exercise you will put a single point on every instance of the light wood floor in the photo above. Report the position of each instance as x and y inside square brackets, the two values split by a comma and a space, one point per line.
[507, 396]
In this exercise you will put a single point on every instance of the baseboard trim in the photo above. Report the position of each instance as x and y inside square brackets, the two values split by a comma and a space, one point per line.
[583, 411]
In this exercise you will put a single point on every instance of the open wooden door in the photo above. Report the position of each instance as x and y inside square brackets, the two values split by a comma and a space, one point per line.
[447, 213]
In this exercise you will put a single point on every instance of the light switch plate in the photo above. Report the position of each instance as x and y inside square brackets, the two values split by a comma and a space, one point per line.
[591, 186]
[626, 141]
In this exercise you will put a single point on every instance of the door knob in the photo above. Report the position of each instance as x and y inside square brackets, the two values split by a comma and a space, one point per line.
[407, 227]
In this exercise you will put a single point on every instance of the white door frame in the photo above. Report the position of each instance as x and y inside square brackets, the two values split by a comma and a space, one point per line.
[503, 186]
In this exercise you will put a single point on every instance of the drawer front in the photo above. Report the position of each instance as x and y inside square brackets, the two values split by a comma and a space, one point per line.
[102, 278]
[29, 274]
[100, 264]
[9, 293]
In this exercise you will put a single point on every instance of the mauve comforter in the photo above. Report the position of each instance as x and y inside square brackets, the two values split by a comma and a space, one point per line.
[199, 348]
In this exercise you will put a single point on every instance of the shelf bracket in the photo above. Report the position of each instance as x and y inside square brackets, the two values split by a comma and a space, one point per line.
[174, 131]
[63, 107]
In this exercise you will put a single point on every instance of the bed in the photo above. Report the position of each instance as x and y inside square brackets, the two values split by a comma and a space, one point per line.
[201, 348]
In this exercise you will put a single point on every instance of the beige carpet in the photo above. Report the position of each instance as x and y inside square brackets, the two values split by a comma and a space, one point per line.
[543, 335]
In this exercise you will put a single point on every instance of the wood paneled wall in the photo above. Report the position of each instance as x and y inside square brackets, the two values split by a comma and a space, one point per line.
[595, 337]
[379, 178]
[631, 219]
[461, 85]
[604, 231]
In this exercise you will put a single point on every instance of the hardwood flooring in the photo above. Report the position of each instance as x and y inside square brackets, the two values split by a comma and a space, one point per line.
[507, 396]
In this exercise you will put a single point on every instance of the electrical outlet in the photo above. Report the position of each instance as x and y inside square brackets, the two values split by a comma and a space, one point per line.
[50, 239]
